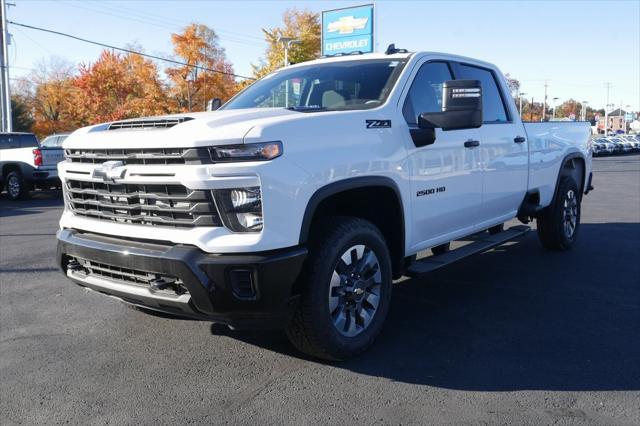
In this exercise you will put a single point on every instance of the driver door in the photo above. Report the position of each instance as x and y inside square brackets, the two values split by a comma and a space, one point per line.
[446, 176]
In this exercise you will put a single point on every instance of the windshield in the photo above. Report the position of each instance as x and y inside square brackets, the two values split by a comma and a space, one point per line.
[326, 87]
[53, 141]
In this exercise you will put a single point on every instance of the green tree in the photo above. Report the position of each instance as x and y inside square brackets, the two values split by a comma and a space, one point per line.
[21, 117]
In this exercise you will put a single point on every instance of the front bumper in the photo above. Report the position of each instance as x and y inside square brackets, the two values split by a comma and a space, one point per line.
[253, 290]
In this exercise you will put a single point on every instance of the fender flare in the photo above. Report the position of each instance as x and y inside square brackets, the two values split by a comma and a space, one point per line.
[343, 185]
[569, 157]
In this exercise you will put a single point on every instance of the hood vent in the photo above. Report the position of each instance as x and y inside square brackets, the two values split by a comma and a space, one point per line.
[154, 123]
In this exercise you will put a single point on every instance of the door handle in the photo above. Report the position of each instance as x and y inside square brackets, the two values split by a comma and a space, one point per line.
[471, 144]
[519, 139]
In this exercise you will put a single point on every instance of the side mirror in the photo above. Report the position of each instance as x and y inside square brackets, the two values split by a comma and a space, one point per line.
[461, 109]
[214, 104]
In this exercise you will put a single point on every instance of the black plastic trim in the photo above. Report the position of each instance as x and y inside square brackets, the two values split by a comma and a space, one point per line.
[204, 275]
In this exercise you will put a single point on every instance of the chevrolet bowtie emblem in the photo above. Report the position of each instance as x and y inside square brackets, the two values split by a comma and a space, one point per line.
[347, 25]
[109, 171]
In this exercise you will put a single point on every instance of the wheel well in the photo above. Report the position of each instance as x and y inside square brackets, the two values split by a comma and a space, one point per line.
[575, 168]
[8, 168]
[379, 205]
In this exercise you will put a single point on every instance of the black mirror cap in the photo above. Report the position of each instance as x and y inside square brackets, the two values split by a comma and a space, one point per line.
[462, 95]
[461, 107]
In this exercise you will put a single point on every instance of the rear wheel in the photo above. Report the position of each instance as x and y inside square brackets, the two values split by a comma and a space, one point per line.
[346, 290]
[559, 223]
[16, 186]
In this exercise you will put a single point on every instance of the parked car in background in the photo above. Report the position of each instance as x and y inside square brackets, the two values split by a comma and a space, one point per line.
[634, 140]
[622, 146]
[603, 147]
[24, 165]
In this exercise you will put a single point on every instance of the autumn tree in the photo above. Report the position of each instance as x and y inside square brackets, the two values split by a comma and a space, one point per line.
[48, 92]
[195, 83]
[118, 86]
[301, 25]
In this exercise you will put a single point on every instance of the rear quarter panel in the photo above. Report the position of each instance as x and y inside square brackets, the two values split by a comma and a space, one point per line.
[550, 143]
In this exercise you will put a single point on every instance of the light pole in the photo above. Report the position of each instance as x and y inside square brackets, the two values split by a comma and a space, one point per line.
[286, 45]
[5, 94]
[584, 110]
[553, 116]
[520, 96]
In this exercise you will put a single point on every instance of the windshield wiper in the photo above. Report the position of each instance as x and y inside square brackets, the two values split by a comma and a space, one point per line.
[307, 108]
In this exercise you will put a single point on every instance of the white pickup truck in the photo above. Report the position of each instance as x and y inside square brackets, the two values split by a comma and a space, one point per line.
[25, 165]
[298, 202]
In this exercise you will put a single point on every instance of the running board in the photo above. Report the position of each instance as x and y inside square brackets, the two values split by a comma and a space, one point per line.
[485, 242]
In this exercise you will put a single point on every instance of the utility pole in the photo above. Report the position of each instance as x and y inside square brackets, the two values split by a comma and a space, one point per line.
[606, 110]
[5, 93]
[531, 110]
[544, 104]
[521, 95]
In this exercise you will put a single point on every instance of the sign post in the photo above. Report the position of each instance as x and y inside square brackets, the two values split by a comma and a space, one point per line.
[347, 30]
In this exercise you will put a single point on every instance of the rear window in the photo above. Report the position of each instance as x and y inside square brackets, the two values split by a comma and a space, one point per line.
[492, 105]
[28, 141]
[9, 141]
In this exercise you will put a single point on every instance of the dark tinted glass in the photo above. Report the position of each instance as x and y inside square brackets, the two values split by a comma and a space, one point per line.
[331, 86]
[425, 94]
[28, 141]
[9, 141]
[492, 106]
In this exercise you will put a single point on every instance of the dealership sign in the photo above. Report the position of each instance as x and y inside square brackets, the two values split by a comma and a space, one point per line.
[347, 30]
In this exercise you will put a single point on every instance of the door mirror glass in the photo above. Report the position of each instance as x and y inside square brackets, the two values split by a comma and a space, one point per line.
[461, 107]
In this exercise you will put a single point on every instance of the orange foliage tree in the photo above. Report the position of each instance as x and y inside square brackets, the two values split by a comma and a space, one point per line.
[48, 92]
[118, 86]
[194, 84]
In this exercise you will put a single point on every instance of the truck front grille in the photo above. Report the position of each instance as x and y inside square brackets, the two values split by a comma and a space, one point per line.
[142, 204]
[149, 156]
[159, 283]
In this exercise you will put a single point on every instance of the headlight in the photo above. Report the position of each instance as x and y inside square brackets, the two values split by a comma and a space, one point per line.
[241, 208]
[246, 152]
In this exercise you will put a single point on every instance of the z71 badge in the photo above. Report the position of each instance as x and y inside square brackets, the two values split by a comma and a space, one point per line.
[378, 124]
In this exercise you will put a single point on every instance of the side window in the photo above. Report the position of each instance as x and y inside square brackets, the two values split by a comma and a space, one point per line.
[492, 105]
[28, 141]
[425, 94]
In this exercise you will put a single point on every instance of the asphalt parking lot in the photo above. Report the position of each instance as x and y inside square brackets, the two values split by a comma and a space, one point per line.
[514, 335]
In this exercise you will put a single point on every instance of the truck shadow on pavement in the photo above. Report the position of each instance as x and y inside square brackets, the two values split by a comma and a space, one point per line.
[38, 201]
[515, 318]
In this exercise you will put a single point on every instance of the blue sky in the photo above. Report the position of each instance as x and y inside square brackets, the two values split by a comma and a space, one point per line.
[576, 45]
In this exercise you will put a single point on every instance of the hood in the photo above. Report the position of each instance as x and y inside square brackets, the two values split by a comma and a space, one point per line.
[178, 130]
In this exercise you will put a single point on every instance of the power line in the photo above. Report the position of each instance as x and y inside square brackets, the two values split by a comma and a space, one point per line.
[108, 46]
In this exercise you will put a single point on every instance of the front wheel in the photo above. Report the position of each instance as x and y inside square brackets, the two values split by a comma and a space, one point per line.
[559, 223]
[346, 290]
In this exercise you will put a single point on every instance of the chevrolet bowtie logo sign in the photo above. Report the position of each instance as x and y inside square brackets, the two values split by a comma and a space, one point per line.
[109, 171]
[347, 25]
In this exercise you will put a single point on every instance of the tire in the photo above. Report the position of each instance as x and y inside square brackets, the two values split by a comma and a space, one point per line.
[559, 223]
[441, 249]
[496, 229]
[339, 314]
[16, 186]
